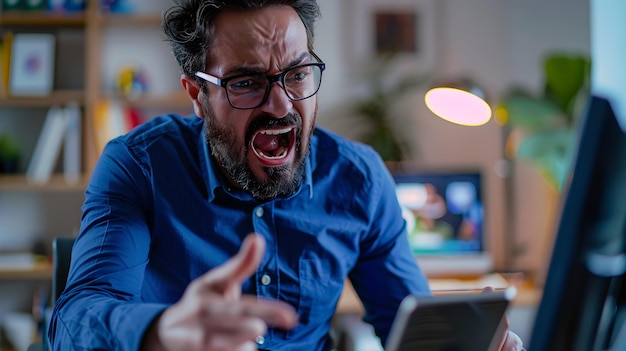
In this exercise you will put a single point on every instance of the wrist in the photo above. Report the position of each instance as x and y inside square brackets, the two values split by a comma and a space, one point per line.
[151, 340]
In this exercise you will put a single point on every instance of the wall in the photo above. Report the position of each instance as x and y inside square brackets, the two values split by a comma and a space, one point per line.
[608, 74]
[498, 43]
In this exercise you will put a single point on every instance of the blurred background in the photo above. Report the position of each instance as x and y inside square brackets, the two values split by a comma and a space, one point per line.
[382, 56]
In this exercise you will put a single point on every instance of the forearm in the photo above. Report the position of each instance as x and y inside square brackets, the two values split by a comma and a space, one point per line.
[99, 322]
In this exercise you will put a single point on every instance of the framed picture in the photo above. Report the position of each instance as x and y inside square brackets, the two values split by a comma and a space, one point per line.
[32, 64]
[405, 28]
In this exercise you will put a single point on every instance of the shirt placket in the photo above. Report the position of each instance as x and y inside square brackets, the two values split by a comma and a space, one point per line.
[267, 281]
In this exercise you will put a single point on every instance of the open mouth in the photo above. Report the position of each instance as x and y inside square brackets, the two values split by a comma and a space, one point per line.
[273, 145]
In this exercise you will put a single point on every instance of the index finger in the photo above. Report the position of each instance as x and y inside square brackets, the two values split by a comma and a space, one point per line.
[274, 313]
[239, 267]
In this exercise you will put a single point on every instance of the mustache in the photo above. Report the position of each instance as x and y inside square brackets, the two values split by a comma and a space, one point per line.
[266, 121]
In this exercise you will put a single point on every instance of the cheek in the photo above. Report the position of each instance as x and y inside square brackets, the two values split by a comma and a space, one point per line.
[308, 111]
[230, 118]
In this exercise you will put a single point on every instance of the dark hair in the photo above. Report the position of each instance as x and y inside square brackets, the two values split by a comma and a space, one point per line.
[189, 26]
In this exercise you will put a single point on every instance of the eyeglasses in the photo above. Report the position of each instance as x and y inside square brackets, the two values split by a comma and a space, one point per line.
[248, 91]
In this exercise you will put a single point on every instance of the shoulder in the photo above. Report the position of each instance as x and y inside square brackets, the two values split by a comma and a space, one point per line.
[348, 160]
[170, 126]
[326, 141]
[168, 136]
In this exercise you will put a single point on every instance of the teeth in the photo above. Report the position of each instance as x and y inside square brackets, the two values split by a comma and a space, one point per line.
[282, 154]
[275, 131]
[268, 157]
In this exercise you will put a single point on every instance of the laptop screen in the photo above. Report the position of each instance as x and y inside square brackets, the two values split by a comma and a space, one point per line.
[444, 212]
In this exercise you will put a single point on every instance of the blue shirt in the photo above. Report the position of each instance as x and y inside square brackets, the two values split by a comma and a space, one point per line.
[157, 214]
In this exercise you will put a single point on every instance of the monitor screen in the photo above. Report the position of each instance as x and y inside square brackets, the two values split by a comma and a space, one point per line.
[445, 218]
[584, 301]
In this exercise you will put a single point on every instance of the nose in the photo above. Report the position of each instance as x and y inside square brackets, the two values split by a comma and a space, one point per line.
[278, 103]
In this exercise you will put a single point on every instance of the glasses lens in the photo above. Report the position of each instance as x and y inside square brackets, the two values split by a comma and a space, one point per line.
[248, 91]
[300, 82]
[303, 81]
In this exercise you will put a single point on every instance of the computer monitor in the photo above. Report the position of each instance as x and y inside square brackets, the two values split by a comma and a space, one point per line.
[445, 219]
[584, 301]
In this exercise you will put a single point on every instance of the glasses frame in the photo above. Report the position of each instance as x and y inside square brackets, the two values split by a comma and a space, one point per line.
[271, 79]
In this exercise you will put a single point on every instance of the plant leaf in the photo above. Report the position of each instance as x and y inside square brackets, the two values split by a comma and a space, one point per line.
[552, 152]
[532, 113]
[566, 76]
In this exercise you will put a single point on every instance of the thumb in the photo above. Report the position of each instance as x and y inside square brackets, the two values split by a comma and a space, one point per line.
[488, 289]
[238, 268]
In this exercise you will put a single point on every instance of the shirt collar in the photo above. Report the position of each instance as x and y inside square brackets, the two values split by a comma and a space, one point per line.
[208, 168]
[214, 180]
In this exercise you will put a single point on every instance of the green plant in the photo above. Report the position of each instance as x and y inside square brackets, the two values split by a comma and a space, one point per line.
[377, 108]
[10, 153]
[542, 129]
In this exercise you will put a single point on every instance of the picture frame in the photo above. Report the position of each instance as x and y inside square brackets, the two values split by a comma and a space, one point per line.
[405, 28]
[32, 64]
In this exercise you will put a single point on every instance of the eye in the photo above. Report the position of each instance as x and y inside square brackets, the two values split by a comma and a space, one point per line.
[247, 84]
[298, 74]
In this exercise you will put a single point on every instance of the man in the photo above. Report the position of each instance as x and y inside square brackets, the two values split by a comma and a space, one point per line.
[164, 260]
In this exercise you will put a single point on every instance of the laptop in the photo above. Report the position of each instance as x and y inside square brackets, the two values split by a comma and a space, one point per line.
[446, 220]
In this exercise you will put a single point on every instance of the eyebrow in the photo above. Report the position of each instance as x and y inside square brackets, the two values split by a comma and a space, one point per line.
[243, 70]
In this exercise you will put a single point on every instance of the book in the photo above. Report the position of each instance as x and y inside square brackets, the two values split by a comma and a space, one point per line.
[17, 260]
[56, 5]
[74, 5]
[102, 124]
[5, 62]
[48, 146]
[2, 93]
[113, 119]
[72, 144]
[32, 64]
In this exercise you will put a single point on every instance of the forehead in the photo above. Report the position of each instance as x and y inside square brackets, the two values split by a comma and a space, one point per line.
[268, 37]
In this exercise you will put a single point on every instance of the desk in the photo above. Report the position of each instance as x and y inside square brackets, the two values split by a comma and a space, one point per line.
[527, 293]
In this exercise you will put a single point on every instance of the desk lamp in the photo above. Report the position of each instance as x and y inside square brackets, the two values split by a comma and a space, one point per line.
[459, 102]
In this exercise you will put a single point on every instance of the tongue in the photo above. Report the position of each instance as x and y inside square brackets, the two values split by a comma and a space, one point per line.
[266, 142]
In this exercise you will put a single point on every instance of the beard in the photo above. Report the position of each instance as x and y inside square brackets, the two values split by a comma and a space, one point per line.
[230, 154]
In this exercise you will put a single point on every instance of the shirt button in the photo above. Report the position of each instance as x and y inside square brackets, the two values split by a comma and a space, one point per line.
[260, 340]
[266, 279]
[259, 212]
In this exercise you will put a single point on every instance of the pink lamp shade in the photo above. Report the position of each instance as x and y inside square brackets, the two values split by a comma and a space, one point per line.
[458, 106]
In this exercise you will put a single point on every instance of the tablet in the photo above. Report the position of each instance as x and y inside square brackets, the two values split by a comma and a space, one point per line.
[454, 322]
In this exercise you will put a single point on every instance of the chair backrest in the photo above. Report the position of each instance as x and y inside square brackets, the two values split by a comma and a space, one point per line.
[61, 258]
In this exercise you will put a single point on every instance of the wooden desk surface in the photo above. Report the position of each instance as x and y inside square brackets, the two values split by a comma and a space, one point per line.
[527, 293]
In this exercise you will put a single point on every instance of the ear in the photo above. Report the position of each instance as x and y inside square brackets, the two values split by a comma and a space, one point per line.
[194, 92]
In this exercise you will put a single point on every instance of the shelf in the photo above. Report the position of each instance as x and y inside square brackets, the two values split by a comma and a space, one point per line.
[42, 18]
[177, 99]
[57, 97]
[129, 19]
[56, 183]
[42, 271]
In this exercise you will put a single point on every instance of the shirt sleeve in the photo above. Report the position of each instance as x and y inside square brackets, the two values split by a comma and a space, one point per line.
[101, 307]
[387, 270]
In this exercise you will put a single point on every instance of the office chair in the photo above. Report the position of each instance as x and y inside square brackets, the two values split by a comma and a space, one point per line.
[61, 258]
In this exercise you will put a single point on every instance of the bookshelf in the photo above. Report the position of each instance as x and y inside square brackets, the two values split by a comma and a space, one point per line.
[91, 46]
[90, 34]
